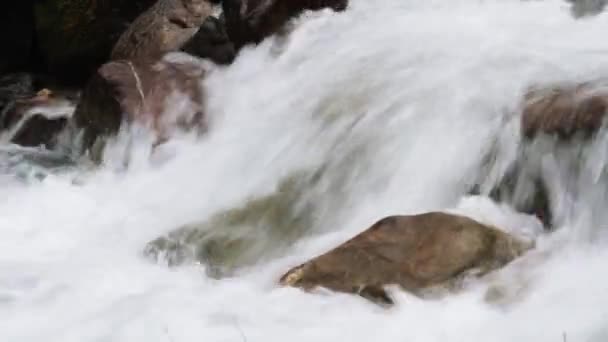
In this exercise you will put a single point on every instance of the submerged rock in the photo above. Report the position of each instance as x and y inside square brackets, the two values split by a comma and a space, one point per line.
[585, 8]
[164, 97]
[525, 190]
[422, 254]
[242, 236]
[250, 21]
[24, 162]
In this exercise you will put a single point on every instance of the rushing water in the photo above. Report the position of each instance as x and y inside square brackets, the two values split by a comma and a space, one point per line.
[402, 99]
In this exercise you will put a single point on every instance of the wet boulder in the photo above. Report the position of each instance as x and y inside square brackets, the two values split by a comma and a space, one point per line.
[140, 84]
[250, 21]
[423, 254]
[40, 130]
[164, 97]
[565, 111]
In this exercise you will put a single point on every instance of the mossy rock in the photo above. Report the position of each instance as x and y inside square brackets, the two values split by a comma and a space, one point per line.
[242, 236]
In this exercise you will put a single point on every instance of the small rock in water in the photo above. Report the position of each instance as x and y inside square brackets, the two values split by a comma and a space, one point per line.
[423, 254]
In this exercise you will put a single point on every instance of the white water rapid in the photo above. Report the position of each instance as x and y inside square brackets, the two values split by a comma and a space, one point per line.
[402, 99]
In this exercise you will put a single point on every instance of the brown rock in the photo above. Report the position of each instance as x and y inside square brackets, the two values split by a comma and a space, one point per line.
[565, 111]
[250, 21]
[122, 91]
[164, 27]
[419, 253]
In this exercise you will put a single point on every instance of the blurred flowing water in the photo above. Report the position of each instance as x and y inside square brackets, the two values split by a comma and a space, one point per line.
[397, 102]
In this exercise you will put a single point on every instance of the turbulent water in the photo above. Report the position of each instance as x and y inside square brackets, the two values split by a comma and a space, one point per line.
[398, 101]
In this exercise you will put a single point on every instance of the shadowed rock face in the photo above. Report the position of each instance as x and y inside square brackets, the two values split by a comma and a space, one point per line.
[419, 253]
[40, 130]
[250, 21]
[36, 120]
[212, 42]
[163, 28]
[164, 96]
[565, 111]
